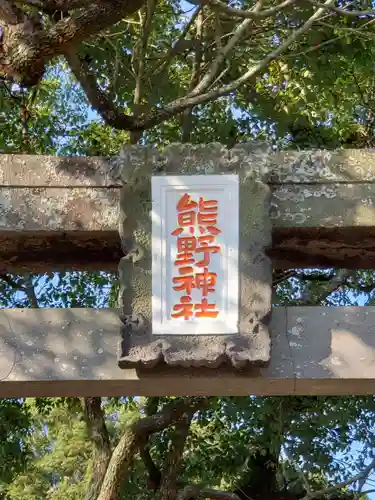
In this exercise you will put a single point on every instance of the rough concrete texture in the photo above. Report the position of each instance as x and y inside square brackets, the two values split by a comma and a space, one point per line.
[73, 352]
[322, 204]
[286, 167]
[311, 166]
[330, 205]
[55, 171]
[51, 209]
[140, 347]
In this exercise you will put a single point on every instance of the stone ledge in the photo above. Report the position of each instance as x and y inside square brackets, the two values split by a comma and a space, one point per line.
[309, 166]
[73, 352]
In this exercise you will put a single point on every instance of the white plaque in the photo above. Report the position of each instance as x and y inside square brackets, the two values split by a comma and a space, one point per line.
[195, 231]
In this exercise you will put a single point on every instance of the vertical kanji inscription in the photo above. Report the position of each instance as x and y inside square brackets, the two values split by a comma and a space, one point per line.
[196, 233]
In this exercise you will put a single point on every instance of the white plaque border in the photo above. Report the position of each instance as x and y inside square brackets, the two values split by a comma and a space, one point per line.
[227, 185]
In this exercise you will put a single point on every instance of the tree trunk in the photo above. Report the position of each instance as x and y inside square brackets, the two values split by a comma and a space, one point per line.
[98, 432]
[119, 466]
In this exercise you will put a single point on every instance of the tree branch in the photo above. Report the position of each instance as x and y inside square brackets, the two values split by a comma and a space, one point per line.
[154, 474]
[344, 12]
[115, 118]
[196, 491]
[335, 282]
[140, 52]
[187, 118]
[29, 290]
[101, 447]
[24, 285]
[97, 98]
[119, 466]
[298, 470]
[219, 59]
[240, 31]
[156, 116]
[172, 50]
[168, 487]
[30, 46]
[81, 26]
[338, 486]
[247, 14]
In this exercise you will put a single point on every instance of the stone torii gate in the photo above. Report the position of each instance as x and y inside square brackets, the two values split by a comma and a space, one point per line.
[296, 209]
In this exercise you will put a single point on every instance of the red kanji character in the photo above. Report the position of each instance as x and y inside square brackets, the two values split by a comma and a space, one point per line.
[185, 281]
[206, 310]
[184, 309]
[185, 249]
[207, 249]
[206, 281]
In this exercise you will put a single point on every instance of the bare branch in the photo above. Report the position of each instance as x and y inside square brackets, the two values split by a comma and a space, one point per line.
[247, 14]
[240, 31]
[97, 98]
[172, 50]
[196, 491]
[157, 116]
[140, 52]
[331, 489]
[187, 119]
[344, 12]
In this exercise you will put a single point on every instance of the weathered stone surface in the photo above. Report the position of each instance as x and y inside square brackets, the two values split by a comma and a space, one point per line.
[306, 167]
[316, 166]
[140, 347]
[72, 204]
[73, 352]
[330, 206]
[51, 209]
[55, 171]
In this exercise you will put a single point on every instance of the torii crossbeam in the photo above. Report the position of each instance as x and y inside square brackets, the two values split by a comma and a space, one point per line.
[62, 213]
